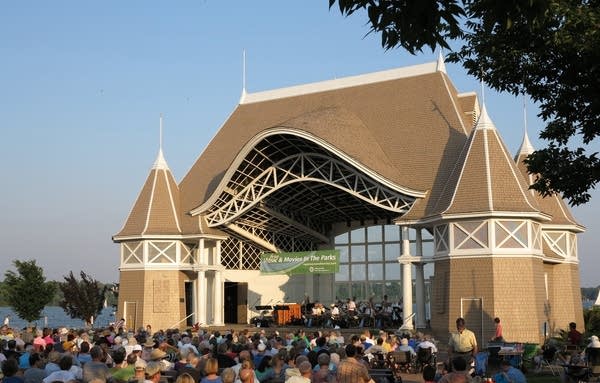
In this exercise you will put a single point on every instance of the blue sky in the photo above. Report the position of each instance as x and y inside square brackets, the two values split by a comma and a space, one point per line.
[82, 85]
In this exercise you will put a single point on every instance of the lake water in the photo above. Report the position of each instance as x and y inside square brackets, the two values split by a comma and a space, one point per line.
[54, 317]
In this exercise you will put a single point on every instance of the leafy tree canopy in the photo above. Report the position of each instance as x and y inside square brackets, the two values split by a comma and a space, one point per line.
[83, 298]
[547, 49]
[27, 291]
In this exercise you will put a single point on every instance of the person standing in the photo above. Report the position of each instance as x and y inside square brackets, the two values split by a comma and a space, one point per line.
[462, 342]
[498, 333]
[574, 337]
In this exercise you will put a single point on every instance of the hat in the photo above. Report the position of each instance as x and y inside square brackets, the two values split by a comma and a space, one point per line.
[136, 347]
[157, 354]
[261, 347]
[152, 368]
[139, 364]
[404, 342]
[118, 340]
[149, 343]
[595, 343]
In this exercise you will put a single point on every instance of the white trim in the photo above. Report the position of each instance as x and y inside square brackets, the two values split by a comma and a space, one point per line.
[302, 134]
[456, 108]
[488, 175]
[571, 228]
[514, 171]
[142, 237]
[150, 202]
[466, 147]
[488, 256]
[173, 208]
[340, 83]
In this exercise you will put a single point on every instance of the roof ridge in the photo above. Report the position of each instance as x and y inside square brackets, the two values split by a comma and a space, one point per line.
[340, 83]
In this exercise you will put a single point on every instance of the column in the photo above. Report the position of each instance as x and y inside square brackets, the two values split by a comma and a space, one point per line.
[420, 282]
[201, 297]
[406, 279]
[218, 306]
[420, 295]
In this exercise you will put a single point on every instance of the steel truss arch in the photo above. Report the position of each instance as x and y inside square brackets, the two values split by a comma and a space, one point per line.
[306, 167]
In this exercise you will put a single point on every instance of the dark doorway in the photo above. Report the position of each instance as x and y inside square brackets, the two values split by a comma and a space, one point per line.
[189, 303]
[236, 302]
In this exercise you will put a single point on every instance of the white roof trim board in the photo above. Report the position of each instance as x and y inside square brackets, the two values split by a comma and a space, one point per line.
[340, 83]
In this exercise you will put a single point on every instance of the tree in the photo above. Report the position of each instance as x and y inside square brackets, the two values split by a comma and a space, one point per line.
[83, 298]
[27, 291]
[547, 49]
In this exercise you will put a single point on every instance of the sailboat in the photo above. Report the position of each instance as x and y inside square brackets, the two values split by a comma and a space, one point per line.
[597, 303]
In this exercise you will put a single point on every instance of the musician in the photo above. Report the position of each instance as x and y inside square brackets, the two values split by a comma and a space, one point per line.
[334, 319]
[317, 312]
[351, 306]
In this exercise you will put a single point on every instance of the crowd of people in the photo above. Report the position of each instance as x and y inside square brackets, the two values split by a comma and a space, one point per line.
[121, 356]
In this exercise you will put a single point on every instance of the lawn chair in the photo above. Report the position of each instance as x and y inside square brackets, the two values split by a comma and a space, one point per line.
[530, 350]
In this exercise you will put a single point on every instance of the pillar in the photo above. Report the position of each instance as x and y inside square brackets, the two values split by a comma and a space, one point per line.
[406, 280]
[201, 287]
[218, 306]
[420, 282]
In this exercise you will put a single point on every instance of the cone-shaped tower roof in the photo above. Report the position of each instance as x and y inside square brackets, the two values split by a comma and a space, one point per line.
[486, 179]
[553, 205]
[156, 209]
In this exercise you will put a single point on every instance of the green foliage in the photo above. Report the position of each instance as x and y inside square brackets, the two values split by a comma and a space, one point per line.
[591, 318]
[83, 298]
[547, 49]
[402, 23]
[589, 293]
[27, 291]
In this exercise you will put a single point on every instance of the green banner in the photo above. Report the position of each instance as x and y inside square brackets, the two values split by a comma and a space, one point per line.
[305, 262]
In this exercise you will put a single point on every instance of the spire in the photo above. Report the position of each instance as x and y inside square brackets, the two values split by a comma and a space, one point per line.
[156, 209]
[526, 147]
[243, 96]
[160, 162]
[441, 65]
[484, 121]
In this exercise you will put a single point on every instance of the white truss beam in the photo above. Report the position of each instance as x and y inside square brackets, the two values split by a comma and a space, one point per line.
[305, 167]
[259, 241]
[297, 225]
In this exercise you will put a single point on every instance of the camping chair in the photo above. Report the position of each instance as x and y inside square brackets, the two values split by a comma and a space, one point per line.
[425, 356]
[530, 350]
[481, 362]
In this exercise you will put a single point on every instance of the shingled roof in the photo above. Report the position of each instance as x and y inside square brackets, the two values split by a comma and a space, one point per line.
[486, 180]
[156, 210]
[403, 124]
[553, 205]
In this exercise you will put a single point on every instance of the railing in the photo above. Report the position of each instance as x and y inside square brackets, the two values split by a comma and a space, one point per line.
[407, 320]
[177, 323]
